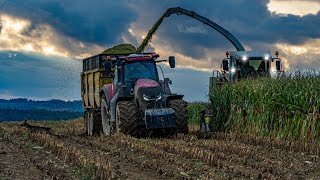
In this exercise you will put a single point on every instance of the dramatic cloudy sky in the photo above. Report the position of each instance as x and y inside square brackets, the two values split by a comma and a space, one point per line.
[42, 42]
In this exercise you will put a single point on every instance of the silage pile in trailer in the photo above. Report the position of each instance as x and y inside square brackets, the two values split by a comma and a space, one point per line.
[284, 108]
[121, 49]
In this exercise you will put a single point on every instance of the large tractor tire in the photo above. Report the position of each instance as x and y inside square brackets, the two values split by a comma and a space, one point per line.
[127, 118]
[107, 126]
[92, 122]
[180, 107]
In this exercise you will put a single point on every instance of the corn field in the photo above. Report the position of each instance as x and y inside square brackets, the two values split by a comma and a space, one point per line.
[285, 108]
[194, 110]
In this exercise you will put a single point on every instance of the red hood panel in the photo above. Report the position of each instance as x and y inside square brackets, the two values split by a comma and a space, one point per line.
[146, 83]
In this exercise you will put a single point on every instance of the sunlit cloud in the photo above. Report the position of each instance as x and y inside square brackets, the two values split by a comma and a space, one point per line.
[306, 54]
[17, 34]
[294, 7]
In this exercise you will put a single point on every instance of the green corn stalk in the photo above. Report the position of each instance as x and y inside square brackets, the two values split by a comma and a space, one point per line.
[285, 108]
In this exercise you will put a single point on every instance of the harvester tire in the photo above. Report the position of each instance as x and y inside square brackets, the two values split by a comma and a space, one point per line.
[180, 107]
[127, 118]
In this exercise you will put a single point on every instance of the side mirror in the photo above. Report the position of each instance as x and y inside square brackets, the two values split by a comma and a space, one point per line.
[278, 65]
[107, 67]
[172, 61]
[225, 65]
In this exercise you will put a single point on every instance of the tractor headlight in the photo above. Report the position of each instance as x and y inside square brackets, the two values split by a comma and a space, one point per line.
[159, 97]
[233, 70]
[148, 98]
[266, 58]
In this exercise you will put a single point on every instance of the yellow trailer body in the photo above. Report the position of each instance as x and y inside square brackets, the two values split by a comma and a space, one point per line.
[93, 78]
[91, 86]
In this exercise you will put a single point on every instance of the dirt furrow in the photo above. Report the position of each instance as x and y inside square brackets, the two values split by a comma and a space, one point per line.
[164, 163]
[20, 158]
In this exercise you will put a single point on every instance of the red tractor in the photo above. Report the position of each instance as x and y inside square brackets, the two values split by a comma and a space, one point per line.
[135, 101]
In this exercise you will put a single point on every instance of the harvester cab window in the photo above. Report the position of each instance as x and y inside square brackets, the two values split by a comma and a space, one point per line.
[262, 67]
[255, 63]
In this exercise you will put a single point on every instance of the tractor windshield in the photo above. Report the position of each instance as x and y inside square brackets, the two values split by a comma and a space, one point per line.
[141, 69]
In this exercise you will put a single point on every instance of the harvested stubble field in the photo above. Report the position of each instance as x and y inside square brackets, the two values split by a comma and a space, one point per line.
[65, 153]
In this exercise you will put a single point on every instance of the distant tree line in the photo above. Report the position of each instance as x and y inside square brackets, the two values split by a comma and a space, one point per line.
[53, 105]
[39, 114]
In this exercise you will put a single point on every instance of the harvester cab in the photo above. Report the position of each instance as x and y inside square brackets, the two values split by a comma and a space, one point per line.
[134, 101]
[242, 64]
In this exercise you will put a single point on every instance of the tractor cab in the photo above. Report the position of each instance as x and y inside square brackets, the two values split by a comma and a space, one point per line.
[133, 68]
[242, 64]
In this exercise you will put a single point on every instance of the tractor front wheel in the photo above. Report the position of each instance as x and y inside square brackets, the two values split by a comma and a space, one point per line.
[180, 107]
[127, 118]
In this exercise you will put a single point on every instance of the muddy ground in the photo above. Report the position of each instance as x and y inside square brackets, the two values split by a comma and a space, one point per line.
[65, 153]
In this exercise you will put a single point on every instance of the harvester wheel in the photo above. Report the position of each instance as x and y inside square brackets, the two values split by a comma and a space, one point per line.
[127, 118]
[180, 107]
[105, 117]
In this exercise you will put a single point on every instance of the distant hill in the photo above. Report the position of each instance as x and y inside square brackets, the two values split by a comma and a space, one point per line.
[26, 109]
[52, 105]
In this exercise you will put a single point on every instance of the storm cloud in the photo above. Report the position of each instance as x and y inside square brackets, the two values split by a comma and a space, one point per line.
[106, 23]
[57, 31]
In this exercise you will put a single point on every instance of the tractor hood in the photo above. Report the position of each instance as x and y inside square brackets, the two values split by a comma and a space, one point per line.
[147, 92]
[145, 83]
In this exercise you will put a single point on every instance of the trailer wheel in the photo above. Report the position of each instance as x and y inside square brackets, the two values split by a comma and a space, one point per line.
[96, 125]
[85, 121]
[180, 107]
[105, 118]
[92, 122]
[89, 123]
[127, 118]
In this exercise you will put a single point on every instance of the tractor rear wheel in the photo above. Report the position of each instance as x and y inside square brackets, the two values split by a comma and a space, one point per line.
[180, 107]
[127, 118]
[105, 118]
